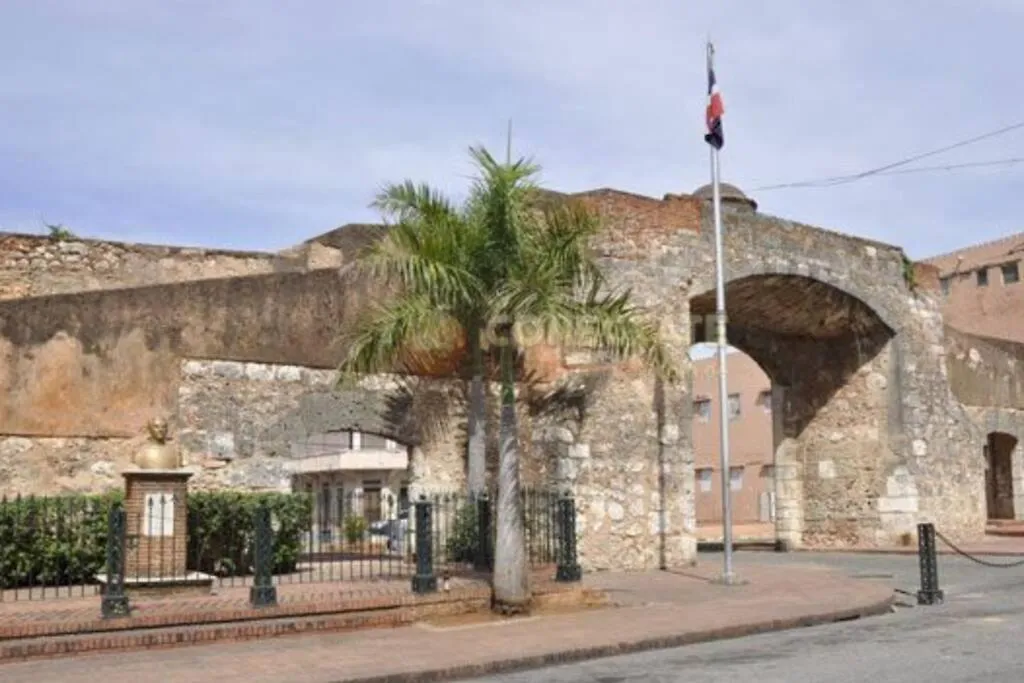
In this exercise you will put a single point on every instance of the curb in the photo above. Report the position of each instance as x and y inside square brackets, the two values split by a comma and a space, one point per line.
[626, 647]
[769, 547]
[906, 551]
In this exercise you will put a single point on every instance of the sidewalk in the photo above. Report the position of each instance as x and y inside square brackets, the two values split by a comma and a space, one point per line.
[655, 609]
[991, 545]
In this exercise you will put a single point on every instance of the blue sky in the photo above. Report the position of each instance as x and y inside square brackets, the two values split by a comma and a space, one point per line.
[257, 124]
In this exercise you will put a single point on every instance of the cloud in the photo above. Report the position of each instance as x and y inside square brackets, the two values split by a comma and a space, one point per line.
[257, 124]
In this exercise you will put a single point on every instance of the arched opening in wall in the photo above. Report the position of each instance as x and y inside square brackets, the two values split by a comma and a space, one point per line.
[825, 355]
[750, 416]
[358, 483]
[999, 455]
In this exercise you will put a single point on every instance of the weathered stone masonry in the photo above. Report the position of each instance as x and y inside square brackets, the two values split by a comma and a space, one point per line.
[871, 438]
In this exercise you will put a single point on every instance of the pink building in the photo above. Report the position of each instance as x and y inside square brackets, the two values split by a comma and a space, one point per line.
[751, 449]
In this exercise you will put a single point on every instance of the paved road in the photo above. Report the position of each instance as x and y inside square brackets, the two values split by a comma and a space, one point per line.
[975, 636]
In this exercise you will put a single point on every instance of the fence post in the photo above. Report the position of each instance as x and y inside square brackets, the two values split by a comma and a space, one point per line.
[482, 561]
[568, 566]
[929, 593]
[424, 580]
[114, 602]
[263, 592]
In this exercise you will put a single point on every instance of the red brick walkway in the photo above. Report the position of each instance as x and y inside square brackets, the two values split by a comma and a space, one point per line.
[661, 608]
[33, 618]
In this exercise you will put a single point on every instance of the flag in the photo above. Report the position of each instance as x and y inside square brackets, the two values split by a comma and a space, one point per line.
[715, 109]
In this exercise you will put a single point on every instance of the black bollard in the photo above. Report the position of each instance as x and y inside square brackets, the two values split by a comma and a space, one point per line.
[568, 568]
[114, 601]
[424, 581]
[929, 593]
[263, 592]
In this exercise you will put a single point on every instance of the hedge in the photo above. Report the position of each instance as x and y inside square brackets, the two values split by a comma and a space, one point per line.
[221, 531]
[62, 541]
[53, 541]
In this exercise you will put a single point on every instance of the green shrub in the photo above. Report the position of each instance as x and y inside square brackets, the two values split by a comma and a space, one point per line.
[63, 540]
[222, 529]
[355, 527]
[53, 541]
[461, 544]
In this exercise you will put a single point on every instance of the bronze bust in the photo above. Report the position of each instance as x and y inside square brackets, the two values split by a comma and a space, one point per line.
[158, 454]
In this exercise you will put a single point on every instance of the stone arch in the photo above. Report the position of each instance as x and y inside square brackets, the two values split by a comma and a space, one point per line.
[875, 301]
[826, 347]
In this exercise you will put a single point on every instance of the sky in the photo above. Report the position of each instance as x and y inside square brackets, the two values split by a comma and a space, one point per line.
[257, 124]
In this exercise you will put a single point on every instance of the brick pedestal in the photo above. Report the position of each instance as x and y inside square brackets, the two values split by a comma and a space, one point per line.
[156, 534]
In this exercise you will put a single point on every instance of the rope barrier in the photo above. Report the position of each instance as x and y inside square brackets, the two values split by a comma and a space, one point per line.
[972, 558]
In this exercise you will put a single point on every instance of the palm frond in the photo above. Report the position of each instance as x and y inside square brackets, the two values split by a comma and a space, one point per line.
[430, 261]
[562, 242]
[407, 201]
[402, 329]
[612, 323]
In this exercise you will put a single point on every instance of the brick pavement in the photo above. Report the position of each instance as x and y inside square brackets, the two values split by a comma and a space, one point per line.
[228, 603]
[657, 609]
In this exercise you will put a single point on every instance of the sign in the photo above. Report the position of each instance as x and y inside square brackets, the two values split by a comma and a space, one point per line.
[158, 514]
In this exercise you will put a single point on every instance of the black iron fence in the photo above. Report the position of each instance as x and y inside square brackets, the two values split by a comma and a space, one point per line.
[86, 545]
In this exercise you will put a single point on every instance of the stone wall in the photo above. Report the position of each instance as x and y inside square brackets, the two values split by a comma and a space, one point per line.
[984, 371]
[238, 421]
[35, 265]
[102, 363]
[872, 438]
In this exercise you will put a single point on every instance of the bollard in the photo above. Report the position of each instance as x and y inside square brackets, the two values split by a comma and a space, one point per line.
[482, 561]
[929, 593]
[114, 602]
[568, 566]
[263, 592]
[424, 581]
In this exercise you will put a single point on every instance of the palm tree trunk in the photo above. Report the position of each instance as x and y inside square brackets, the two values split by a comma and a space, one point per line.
[476, 470]
[511, 576]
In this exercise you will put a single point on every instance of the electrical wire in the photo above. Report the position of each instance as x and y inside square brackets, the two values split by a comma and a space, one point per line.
[887, 169]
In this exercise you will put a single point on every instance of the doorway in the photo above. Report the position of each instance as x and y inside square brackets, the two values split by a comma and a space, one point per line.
[999, 448]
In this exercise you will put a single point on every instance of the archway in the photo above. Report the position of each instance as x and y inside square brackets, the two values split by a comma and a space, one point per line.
[827, 355]
[999, 471]
[750, 414]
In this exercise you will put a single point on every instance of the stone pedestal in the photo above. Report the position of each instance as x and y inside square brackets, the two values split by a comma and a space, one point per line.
[156, 535]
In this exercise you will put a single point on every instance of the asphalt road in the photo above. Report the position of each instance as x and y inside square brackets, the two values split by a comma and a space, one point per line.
[975, 636]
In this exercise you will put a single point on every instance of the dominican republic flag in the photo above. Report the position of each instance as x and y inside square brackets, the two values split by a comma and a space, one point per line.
[715, 109]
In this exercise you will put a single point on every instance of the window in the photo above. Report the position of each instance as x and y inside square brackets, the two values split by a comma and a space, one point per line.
[1011, 273]
[704, 479]
[944, 283]
[373, 441]
[734, 406]
[702, 409]
[764, 399]
[982, 276]
[735, 478]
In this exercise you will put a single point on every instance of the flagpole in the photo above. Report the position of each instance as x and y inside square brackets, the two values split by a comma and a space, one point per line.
[723, 385]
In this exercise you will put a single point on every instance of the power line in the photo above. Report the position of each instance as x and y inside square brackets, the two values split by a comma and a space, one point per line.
[887, 169]
[1011, 161]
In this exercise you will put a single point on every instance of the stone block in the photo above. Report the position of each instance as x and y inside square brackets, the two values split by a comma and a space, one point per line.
[898, 504]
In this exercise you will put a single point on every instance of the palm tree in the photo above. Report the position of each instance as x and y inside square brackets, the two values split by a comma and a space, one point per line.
[547, 287]
[498, 269]
[435, 255]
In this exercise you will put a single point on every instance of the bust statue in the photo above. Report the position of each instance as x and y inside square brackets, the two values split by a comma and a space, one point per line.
[158, 454]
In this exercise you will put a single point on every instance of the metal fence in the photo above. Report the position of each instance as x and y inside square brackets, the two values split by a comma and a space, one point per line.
[80, 546]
